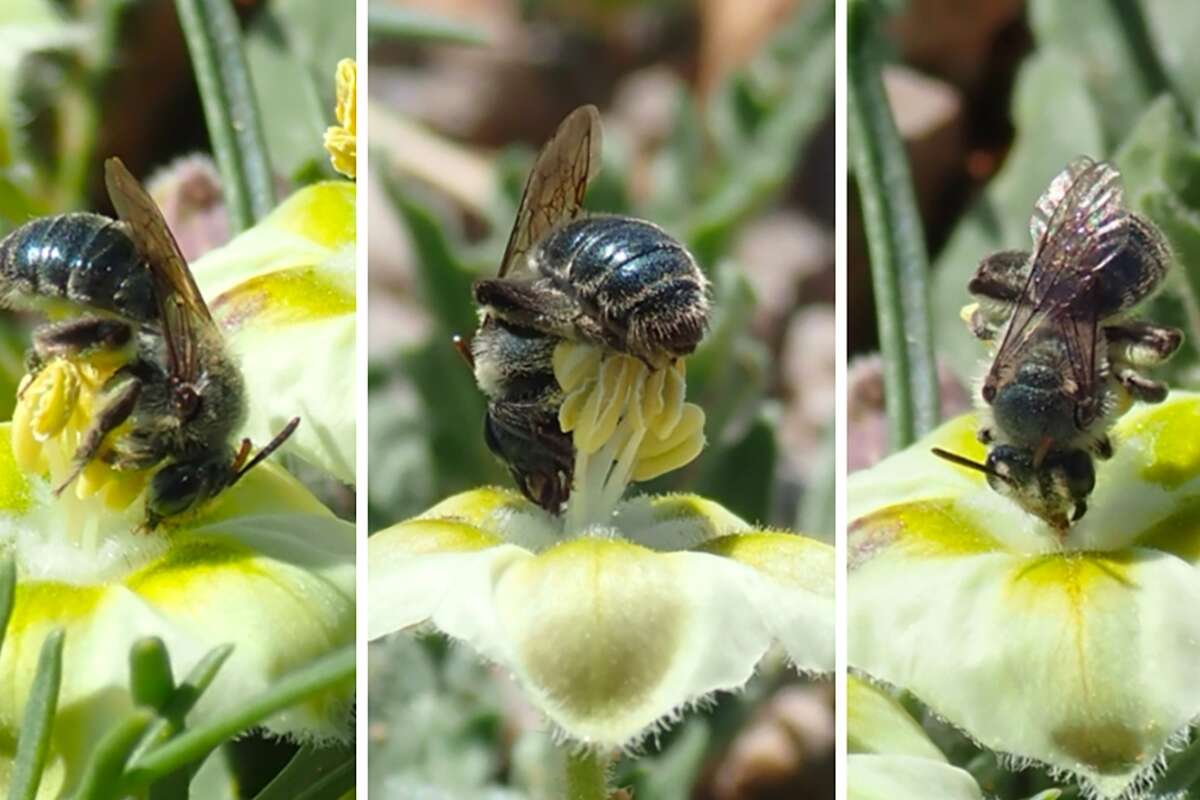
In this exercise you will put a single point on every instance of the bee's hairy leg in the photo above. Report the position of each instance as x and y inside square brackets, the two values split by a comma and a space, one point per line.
[1138, 385]
[78, 336]
[1000, 276]
[117, 405]
[541, 308]
[979, 325]
[1102, 447]
[1140, 344]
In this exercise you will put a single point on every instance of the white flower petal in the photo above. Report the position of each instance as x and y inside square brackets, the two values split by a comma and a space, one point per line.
[874, 777]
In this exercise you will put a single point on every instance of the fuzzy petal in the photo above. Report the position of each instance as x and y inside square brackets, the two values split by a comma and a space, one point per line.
[284, 294]
[1084, 661]
[907, 778]
[264, 567]
[606, 636]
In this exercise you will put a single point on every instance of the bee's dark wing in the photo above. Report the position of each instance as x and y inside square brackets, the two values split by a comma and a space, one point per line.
[556, 185]
[1083, 225]
[185, 316]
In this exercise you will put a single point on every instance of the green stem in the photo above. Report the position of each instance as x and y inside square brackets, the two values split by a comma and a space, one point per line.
[33, 744]
[895, 240]
[214, 41]
[586, 775]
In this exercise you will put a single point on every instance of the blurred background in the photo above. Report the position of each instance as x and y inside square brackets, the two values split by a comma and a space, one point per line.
[992, 98]
[82, 80]
[718, 125]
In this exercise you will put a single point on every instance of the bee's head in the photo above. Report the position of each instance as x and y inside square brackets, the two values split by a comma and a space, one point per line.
[1032, 407]
[536, 452]
[183, 485]
[1056, 489]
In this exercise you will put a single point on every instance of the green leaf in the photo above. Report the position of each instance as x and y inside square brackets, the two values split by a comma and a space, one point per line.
[387, 22]
[313, 773]
[742, 475]
[150, 679]
[101, 776]
[185, 696]
[34, 743]
[293, 47]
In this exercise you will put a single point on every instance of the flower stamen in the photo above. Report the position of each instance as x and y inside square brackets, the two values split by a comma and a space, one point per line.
[629, 423]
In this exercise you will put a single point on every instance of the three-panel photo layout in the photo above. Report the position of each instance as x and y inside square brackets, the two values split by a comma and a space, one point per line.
[690, 400]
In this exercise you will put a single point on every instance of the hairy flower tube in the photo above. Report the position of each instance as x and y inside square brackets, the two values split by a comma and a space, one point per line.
[341, 140]
[619, 613]
[1078, 652]
[264, 566]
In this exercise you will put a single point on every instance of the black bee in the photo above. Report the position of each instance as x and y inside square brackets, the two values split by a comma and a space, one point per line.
[1068, 356]
[614, 281]
[128, 288]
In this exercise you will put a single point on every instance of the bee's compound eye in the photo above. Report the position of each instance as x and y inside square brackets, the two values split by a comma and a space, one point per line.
[178, 487]
[989, 392]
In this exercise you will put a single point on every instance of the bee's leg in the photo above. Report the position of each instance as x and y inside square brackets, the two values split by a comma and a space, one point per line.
[1102, 447]
[1140, 344]
[116, 408]
[79, 336]
[1001, 276]
[1138, 385]
[540, 308]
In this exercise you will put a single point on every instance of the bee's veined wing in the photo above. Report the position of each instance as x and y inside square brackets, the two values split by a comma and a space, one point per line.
[185, 316]
[556, 185]
[1083, 224]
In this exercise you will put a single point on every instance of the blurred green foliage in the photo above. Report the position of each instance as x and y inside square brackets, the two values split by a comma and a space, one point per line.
[720, 167]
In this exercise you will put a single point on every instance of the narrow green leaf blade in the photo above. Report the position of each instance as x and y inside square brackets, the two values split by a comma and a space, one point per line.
[34, 743]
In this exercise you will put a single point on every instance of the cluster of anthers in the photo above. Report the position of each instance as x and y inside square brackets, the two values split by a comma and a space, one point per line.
[629, 422]
[55, 406]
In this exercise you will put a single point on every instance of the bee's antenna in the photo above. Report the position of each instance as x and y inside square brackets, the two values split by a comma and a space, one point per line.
[271, 447]
[963, 461]
[464, 349]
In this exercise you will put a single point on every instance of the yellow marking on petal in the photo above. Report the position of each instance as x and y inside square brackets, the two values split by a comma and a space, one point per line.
[322, 213]
[188, 560]
[286, 297]
[789, 558]
[477, 505]
[924, 529]
[423, 535]
[597, 625]
[341, 140]
[51, 603]
[1169, 434]
[718, 519]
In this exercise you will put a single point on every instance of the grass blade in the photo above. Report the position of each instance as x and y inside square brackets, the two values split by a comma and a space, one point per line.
[899, 263]
[34, 742]
[214, 42]
[8, 590]
[330, 671]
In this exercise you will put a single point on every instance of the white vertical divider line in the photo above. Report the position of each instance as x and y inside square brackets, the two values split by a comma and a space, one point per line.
[841, 184]
[363, 173]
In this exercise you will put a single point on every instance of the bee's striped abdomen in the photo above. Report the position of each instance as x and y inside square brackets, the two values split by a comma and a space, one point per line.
[80, 257]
